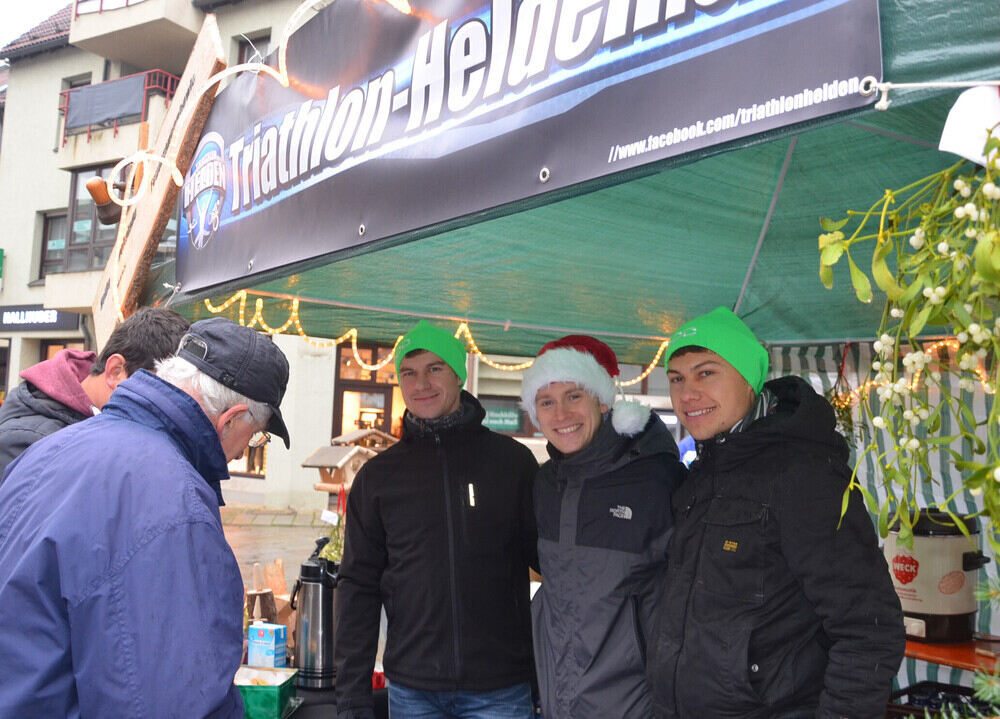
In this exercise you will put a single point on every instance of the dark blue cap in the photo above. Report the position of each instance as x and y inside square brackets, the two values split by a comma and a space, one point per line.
[243, 360]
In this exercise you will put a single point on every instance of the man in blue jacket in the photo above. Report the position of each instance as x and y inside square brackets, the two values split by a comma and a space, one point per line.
[120, 596]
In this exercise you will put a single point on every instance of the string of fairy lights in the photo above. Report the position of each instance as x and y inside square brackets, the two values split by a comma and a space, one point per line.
[464, 333]
[294, 321]
[854, 396]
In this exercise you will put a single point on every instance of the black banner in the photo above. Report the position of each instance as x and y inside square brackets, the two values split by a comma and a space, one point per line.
[394, 122]
[35, 318]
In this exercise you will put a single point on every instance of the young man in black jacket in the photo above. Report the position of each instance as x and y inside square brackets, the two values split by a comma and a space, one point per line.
[439, 530]
[774, 606]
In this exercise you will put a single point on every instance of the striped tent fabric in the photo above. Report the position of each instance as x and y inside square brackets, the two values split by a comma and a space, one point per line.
[821, 366]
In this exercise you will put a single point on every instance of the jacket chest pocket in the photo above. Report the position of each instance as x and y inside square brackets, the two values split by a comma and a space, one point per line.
[734, 550]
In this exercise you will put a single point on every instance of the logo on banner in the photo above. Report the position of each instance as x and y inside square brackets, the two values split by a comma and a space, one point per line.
[205, 191]
[905, 568]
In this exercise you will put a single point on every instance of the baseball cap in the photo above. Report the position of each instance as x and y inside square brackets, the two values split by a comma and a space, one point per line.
[241, 359]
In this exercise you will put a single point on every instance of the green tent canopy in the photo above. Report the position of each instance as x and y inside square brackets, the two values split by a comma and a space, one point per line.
[629, 257]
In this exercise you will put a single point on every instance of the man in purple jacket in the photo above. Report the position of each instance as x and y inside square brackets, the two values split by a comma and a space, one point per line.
[119, 595]
[74, 384]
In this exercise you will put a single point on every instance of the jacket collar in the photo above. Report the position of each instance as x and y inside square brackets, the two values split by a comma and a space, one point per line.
[468, 416]
[147, 399]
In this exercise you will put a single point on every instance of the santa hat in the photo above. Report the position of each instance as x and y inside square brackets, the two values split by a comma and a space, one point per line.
[590, 364]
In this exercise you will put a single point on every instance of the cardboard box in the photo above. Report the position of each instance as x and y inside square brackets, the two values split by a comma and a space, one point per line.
[267, 693]
[266, 645]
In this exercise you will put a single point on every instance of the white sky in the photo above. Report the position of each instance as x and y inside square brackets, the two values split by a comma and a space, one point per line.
[18, 16]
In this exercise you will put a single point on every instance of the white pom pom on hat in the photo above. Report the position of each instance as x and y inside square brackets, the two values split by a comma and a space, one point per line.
[590, 364]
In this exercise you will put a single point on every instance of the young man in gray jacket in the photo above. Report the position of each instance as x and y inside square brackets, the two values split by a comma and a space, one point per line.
[602, 506]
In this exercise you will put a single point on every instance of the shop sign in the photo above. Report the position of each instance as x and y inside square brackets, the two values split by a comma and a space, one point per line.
[503, 419]
[402, 116]
[28, 318]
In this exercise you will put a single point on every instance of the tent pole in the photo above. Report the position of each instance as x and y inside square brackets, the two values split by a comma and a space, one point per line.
[767, 221]
[892, 135]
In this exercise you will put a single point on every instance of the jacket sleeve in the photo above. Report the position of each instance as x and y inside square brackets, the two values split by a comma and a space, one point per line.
[161, 634]
[845, 577]
[359, 601]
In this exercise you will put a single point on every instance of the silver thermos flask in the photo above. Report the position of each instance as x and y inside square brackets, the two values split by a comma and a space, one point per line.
[314, 600]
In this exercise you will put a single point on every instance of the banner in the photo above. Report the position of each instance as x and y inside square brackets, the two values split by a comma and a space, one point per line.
[397, 120]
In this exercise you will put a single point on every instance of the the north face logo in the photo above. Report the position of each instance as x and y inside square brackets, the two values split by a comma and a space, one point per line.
[621, 512]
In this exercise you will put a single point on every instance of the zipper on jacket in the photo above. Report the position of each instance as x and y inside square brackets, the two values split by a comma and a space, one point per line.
[449, 514]
[640, 640]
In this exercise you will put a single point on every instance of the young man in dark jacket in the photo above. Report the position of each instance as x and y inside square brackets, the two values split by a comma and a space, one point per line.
[439, 530]
[770, 609]
[602, 505]
[73, 386]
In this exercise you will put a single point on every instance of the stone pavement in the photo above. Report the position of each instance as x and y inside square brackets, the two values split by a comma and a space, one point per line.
[263, 534]
[244, 515]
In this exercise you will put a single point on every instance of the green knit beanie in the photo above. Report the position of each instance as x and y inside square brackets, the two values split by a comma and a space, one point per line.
[727, 335]
[426, 336]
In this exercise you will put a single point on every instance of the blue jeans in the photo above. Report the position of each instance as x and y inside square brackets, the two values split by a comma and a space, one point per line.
[509, 703]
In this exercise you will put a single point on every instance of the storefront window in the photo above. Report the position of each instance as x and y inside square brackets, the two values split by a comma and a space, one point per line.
[504, 415]
[51, 347]
[252, 464]
[366, 399]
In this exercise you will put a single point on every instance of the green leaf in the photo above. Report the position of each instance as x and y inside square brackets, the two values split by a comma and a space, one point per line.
[995, 546]
[958, 309]
[983, 257]
[913, 289]
[829, 238]
[862, 286]
[883, 276]
[829, 225]
[921, 319]
[826, 276]
[844, 502]
[831, 253]
[883, 520]
[905, 536]
[958, 523]
[870, 500]
[969, 417]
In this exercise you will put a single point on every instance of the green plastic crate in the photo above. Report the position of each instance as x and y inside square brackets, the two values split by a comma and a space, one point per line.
[266, 701]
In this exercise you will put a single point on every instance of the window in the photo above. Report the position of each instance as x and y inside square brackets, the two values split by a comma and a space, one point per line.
[253, 49]
[252, 464]
[53, 243]
[366, 399]
[87, 243]
[505, 416]
[49, 348]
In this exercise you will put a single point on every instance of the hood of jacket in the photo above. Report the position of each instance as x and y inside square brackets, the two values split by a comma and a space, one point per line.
[609, 451]
[26, 400]
[60, 378]
[146, 398]
[801, 418]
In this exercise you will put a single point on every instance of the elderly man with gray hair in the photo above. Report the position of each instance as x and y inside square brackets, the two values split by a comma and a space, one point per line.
[120, 594]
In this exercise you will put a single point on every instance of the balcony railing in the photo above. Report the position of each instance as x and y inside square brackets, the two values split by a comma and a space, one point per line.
[85, 7]
[113, 103]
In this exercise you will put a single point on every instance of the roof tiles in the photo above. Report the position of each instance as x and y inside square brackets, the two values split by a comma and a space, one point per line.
[43, 36]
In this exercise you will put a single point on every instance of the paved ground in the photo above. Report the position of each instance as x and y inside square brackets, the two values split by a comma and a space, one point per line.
[262, 534]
